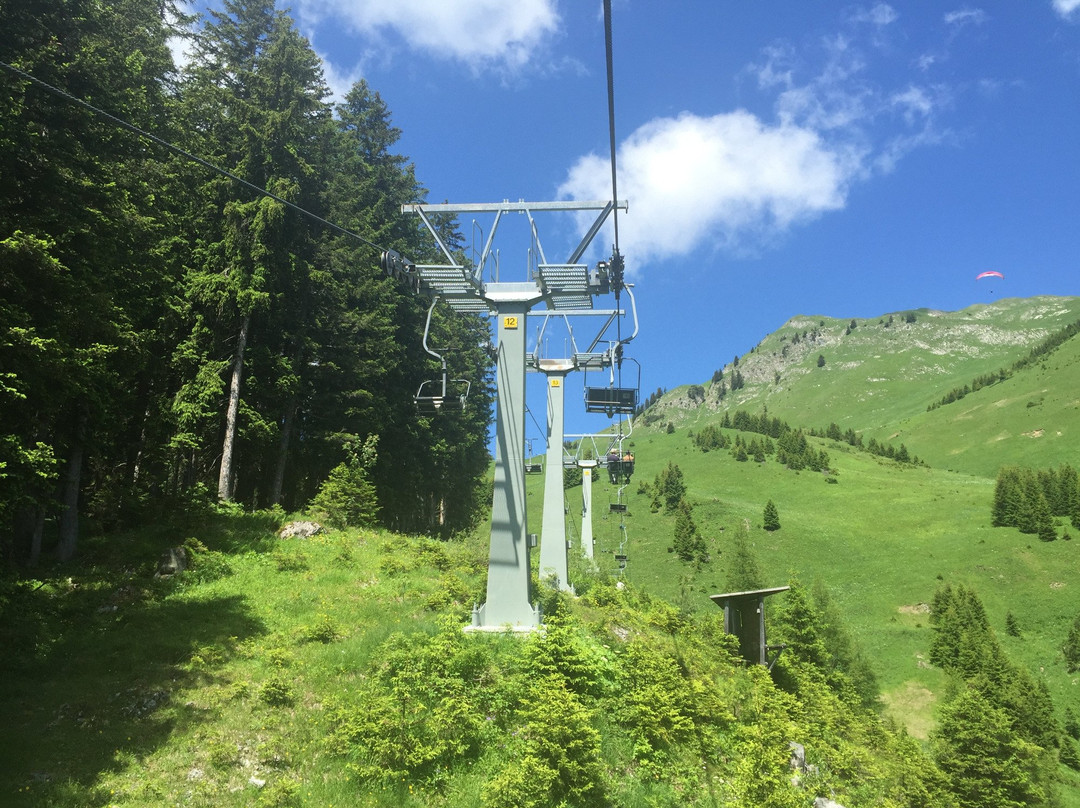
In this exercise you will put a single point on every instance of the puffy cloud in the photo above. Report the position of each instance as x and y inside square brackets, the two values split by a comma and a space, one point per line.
[1066, 8]
[737, 181]
[479, 33]
[724, 180]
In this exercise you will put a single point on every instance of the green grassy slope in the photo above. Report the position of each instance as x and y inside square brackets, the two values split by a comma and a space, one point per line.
[885, 536]
[1031, 419]
[882, 540]
[879, 373]
[333, 671]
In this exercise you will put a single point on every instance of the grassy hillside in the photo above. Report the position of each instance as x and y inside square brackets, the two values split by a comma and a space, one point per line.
[878, 373]
[882, 539]
[333, 671]
[1031, 419]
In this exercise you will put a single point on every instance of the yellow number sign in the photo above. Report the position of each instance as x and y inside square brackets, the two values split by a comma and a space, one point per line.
[510, 321]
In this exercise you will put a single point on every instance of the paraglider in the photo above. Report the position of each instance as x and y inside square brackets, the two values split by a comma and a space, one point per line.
[989, 274]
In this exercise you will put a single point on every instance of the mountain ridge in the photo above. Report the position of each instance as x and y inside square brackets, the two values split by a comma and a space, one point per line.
[877, 376]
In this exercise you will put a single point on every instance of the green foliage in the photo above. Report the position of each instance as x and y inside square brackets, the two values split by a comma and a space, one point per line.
[966, 647]
[347, 498]
[770, 517]
[1028, 500]
[277, 691]
[561, 650]
[204, 564]
[668, 488]
[324, 630]
[415, 713]
[1012, 627]
[743, 572]
[709, 438]
[689, 544]
[1071, 649]
[983, 759]
[561, 760]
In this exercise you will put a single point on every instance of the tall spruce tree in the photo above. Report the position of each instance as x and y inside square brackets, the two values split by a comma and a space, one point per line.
[985, 762]
[79, 238]
[254, 97]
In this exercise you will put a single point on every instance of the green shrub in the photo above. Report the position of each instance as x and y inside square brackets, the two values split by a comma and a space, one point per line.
[204, 565]
[414, 714]
[325, 629]
[277, 691]
[283, 793]
[347, 498]
[290, 562]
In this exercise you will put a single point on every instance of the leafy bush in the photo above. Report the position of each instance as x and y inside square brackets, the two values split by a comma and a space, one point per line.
[414, 714]
[560, 762]
[277, 691]
[347, 497]
[205, 565]
[325, 629]
[290, 562]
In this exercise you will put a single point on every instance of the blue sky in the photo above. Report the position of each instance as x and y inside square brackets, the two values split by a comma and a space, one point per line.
[779, 158]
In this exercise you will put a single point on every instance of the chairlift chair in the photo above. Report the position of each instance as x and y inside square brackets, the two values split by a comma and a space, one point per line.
[612, 400]
[442, 394]
[531, 464]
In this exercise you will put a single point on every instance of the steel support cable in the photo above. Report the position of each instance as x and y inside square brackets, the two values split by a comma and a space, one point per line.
[184, 153]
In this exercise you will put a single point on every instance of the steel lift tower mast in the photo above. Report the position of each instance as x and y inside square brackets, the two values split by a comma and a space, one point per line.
[567, 288]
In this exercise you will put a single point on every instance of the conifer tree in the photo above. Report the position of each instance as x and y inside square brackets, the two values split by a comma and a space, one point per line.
[1071, 649]
[985, 762]
[689, 544]
[771, 517]
[743, 571]
[669, 488]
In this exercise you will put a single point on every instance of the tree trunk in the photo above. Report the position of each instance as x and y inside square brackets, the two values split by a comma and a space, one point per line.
[283, 450]
[225, 476]
[35, 537]
[69, 495]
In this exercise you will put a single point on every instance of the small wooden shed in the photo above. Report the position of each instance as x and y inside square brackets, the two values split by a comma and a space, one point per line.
[744, 616]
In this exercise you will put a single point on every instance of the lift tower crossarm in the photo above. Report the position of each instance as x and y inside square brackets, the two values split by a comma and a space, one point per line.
[499, 208]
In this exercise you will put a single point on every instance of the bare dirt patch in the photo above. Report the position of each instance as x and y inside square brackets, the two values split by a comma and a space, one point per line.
[915, 608]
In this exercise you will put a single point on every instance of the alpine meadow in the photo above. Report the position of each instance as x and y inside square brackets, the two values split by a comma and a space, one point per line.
[238, 560]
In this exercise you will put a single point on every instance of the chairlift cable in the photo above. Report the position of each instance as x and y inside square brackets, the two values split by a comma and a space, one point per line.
[616, 256]
[611, 117]
[184, 153]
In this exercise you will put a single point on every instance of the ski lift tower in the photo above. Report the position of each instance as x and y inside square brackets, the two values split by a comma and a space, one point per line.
[553, 557]
[566, 287]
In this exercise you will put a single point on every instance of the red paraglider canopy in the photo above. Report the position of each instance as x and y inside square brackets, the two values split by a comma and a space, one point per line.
[989, 274]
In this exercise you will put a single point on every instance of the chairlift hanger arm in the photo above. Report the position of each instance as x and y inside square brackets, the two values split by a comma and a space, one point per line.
[575, 256]
[420, 211]
[633, 312]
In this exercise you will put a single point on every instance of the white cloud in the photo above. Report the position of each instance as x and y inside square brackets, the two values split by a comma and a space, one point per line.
[1066, 8]
[737, 181]
[479, 33]
[339, 81]
[725, 180]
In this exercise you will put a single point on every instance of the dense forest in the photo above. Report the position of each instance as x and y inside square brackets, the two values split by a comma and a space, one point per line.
[170, 334]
